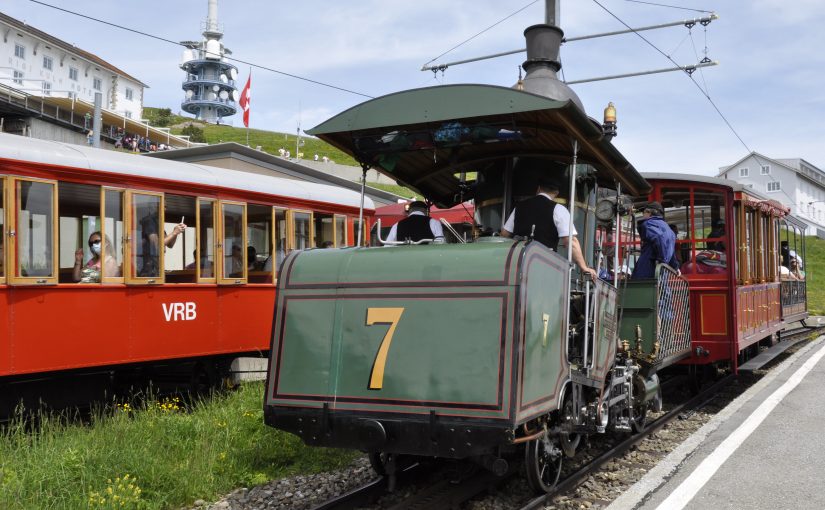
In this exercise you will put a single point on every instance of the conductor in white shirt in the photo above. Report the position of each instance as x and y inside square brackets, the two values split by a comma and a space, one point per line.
[416, 226]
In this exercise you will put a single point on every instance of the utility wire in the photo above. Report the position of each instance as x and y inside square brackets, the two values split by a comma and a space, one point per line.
[665, 5]
[478, 34]
[152, 36]
[715, 107]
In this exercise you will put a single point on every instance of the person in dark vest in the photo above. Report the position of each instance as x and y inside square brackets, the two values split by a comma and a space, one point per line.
[546, 221]
[416, 226]
[658, 242]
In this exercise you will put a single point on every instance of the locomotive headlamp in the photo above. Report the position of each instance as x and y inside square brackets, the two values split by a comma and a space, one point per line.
[609, 126]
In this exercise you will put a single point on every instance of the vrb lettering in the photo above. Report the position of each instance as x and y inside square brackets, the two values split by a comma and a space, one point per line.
[180, 311]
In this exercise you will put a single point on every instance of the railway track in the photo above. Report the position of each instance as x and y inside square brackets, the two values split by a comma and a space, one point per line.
[573, 480]
[451, 494]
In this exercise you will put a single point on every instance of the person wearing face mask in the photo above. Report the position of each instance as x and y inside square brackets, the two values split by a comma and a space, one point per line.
[90, 273]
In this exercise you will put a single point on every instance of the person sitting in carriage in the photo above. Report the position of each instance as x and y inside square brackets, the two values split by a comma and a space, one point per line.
[658, 242]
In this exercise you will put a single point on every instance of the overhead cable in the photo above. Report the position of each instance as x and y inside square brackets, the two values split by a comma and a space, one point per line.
[240, 61]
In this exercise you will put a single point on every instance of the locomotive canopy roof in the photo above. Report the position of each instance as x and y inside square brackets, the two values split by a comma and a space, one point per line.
[423, 137]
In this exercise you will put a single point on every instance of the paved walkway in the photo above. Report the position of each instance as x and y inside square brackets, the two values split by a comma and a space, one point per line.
[766, 450]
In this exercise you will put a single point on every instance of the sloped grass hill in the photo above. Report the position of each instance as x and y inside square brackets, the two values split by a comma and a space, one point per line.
[270, 141]
[815, 274]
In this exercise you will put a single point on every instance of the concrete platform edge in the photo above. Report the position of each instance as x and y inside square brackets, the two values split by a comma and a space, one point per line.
[660, 474]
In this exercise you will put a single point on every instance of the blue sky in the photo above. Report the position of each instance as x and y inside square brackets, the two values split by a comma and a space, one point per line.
[769, 83]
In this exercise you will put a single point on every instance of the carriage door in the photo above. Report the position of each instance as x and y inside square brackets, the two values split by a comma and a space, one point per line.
[145, 238]
[32, 234]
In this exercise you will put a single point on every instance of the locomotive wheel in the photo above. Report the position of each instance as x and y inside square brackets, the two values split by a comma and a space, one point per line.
[568, 440]
[638, 419]
[542, 460]
[379, 462]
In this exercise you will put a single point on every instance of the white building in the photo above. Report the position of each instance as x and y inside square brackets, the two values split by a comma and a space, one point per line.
[41, 64]
[793, 182]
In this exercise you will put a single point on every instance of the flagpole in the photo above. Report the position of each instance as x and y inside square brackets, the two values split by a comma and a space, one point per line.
[247, 125]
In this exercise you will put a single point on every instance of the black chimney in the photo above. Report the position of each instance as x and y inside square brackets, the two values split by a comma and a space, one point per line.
[542, 64]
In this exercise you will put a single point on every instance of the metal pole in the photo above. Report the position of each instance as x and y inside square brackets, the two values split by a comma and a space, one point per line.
[552, 12]
[572, 201]
[617, 237]
[97, 120]
[361, 208]
[688, 69]
[688, 22]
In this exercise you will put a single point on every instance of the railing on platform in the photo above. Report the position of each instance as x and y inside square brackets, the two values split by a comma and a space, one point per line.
[673, 314]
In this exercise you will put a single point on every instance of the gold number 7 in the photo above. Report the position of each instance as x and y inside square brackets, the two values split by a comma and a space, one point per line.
[389, 316]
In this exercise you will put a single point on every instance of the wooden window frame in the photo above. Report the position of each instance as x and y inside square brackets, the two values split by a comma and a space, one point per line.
[215, 241]
[275, 233]
[290, 242]
[4, 256]
[131, 279]
[11, 247]
[122, 277]
[272, 237]
[219, 254]
[335, 218]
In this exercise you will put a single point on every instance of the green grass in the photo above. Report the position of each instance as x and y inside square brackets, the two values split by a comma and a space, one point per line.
[815, 274]
[154, 458]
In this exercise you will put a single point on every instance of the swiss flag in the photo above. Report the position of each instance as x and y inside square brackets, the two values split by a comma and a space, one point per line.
[244, 101]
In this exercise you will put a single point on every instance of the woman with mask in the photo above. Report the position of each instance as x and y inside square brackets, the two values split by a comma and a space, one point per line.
[90, 273]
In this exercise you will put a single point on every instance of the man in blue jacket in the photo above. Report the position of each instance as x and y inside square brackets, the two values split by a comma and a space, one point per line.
[658, 242]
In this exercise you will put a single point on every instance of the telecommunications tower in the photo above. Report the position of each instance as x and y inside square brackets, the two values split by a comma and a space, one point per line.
[209, 87]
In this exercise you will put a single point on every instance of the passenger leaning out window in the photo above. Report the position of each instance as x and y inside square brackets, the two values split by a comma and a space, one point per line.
[90, 273]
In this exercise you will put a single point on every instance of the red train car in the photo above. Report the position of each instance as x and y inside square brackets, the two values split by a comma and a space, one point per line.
[202, 294]
[735, 246]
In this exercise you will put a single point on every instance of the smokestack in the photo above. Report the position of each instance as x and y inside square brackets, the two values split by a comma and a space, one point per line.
[542, 64]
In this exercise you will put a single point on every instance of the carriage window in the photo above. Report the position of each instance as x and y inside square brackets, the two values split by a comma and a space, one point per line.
[113, 232]
[35, 233]
[81, 242]
[301, 223]
[233, 244]
[748, 248]
[280, 237]
[676, 203]
[341, 231]
[324, 233]
[364, 237]
[259, 236]
[206, 240]
[146, 254]
[179, 234]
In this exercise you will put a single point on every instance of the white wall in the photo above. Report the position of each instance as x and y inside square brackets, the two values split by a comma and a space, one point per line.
[60, 76]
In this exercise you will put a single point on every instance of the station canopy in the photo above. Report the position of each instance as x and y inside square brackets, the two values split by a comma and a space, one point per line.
[423, 138]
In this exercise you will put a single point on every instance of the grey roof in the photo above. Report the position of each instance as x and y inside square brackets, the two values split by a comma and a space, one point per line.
[266, 160]
[21, 148]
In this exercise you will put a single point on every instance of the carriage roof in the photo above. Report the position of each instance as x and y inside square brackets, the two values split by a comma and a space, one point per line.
[423, 137]
[19, 148]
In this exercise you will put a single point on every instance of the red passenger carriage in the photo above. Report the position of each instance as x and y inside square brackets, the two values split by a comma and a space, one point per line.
[732, 243]
[198, 304]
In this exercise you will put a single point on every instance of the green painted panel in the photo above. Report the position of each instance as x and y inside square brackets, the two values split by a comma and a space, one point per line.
[436, 263]
[307, 347]
[443, 350]
[544, 357]
[606, 314]
[639, 308]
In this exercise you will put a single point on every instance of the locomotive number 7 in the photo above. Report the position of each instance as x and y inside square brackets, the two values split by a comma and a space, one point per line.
[389, 316]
